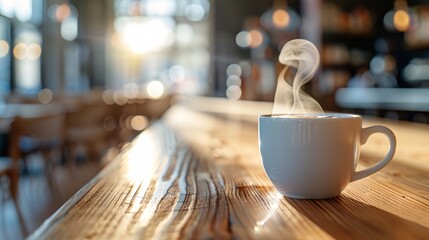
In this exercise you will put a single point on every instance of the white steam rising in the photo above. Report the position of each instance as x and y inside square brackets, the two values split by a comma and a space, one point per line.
[302, 58]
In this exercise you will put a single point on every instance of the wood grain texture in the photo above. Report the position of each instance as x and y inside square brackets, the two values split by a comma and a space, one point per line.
[195, 175]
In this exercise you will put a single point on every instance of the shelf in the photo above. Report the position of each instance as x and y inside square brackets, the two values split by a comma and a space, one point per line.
[399, 99]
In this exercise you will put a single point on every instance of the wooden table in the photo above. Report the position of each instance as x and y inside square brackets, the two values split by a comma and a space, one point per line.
[10, 111]
[198, 174]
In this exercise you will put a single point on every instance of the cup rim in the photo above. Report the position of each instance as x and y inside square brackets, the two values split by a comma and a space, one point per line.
[296, 116]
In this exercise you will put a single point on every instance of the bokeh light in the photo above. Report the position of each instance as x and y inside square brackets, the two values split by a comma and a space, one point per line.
[256, 38]
[62, 12]
[243, 39]
[246, 68]
[177, 73]
[108, 96]
[131, 90]
[109, 123]
[34, 51]
[45, 95]
[4, 48]
[155, 89]
[20, 51]
[377, 64]
[160, 7]
[69, 28]
[233, 92]
[233, 69]
[281, 18]
[401, 20]
[233, 80]
[139, 122]
[119, 97]
[128, 122]
[194, 12]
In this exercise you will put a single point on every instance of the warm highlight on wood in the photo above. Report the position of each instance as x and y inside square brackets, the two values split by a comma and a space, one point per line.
[198, 175]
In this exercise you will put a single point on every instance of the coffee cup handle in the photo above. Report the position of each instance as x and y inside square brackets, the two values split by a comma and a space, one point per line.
[366, 132]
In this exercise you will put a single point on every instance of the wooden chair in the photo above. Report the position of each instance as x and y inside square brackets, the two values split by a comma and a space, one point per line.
[39, 134]
[85, 129]
[9, 169]
[27, 136]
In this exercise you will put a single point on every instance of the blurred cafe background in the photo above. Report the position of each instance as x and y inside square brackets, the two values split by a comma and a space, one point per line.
[110, 67]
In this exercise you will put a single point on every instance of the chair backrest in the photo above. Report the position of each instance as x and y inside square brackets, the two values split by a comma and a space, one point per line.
[88, 124]
[87, 116]
[46, 128]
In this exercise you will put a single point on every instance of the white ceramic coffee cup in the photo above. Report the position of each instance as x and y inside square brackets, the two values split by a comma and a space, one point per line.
[315, 156]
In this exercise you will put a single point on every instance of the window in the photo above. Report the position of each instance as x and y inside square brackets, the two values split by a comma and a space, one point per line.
[162, 41]
[27, 52]
[5, 63]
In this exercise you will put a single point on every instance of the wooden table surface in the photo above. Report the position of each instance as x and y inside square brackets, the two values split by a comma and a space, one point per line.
[198, 174]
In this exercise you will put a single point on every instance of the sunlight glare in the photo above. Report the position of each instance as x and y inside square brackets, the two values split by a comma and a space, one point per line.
[141, 168]
[148, 35]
